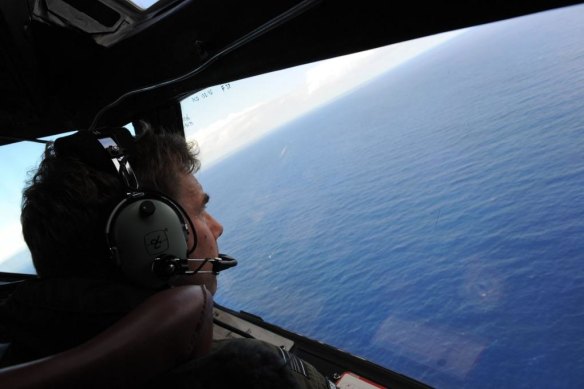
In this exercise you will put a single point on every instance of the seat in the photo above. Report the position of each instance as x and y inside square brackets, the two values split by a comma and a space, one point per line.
[169, 328]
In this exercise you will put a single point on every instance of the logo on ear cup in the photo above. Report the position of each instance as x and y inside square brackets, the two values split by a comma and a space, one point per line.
[156, 242]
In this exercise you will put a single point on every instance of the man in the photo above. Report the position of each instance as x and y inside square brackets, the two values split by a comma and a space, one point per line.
[81, 291]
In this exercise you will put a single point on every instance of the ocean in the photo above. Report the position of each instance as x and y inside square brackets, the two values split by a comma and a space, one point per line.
[432, 220]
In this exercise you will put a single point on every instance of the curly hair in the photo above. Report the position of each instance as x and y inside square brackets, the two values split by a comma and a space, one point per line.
[66, 204]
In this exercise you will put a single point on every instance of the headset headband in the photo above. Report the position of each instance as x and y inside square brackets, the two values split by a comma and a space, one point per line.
[106, 150]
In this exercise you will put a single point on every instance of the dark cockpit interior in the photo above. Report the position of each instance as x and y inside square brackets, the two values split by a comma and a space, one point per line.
[62, 61]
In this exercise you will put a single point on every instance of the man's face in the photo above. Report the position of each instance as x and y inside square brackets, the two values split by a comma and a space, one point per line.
[194, 200]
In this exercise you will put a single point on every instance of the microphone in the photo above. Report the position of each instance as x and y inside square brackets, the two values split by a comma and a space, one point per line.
[167, 266]
[220, 263]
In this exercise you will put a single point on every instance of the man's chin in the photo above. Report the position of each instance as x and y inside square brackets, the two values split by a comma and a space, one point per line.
[208, 280]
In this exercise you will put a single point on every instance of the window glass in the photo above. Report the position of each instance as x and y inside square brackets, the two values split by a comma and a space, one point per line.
[419, 205]
[18, 159]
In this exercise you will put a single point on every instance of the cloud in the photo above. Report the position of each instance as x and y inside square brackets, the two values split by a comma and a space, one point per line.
[228, 135]
[331, 71]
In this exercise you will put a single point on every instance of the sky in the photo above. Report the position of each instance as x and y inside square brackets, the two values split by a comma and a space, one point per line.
[17, 160]
[143, 4]
[226, 118]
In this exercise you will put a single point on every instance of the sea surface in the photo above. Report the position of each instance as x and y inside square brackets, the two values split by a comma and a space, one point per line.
[432, 220]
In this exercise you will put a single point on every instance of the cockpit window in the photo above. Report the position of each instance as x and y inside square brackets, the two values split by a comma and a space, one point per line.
[17, 160]
[419, 205]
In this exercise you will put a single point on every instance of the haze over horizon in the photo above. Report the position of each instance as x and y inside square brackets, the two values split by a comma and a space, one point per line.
[224, 121]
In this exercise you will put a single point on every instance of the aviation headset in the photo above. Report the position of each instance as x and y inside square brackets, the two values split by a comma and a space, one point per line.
[146, 232]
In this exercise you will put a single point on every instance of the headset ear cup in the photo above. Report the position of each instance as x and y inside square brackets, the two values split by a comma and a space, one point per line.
[142, 229]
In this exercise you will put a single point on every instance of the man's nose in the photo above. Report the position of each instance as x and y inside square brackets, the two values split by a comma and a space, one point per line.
[215, 226]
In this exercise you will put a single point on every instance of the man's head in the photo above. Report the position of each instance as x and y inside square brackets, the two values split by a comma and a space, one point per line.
[66, 206]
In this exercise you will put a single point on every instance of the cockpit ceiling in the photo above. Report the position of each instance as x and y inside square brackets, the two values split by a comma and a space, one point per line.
[54, 78]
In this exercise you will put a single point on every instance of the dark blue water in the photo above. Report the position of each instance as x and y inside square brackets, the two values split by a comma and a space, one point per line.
[431, 221]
